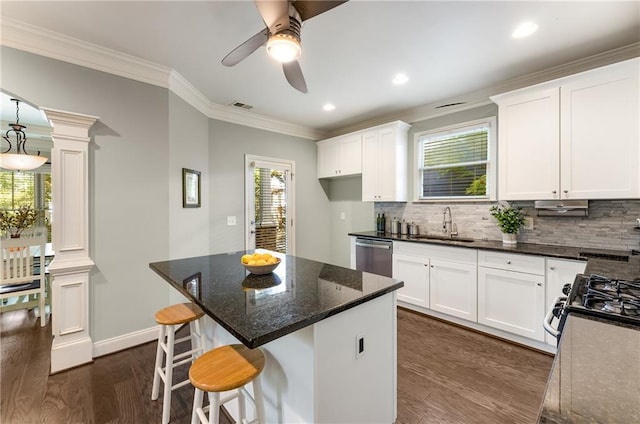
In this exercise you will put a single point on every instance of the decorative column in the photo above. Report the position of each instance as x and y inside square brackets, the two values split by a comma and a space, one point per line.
[69, 270]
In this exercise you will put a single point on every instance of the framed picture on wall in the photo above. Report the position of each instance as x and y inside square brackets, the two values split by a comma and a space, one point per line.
[190, 188]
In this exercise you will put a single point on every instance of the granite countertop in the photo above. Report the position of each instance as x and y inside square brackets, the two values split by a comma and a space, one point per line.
[608, 263]
[257, 309]
[596, 374]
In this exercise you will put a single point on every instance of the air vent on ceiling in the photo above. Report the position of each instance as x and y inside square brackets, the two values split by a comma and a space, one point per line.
[450, 104]
[241, 105]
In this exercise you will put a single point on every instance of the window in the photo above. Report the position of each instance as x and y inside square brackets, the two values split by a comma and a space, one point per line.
[457, 162]
[28, 188]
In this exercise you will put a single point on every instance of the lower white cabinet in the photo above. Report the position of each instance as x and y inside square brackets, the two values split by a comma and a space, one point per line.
[439, 278]
[414, 271]
[453, 288]
[511, 301]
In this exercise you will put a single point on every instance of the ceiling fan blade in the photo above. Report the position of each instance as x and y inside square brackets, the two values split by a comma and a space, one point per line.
[310, 8]
[236, 55]
[275, 14]
[293, 74]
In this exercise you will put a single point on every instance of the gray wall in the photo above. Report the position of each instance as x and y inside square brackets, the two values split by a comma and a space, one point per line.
[128, 181]
[228, 145]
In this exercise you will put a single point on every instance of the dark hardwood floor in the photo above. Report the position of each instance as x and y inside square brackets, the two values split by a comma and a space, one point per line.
[446, 374]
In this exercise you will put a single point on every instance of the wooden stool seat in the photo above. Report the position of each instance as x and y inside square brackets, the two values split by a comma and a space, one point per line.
[226, 368]
[169, 319]
[179, 314]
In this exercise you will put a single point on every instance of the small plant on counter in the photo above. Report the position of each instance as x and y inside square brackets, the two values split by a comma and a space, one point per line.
[15, 222]
[509, 219]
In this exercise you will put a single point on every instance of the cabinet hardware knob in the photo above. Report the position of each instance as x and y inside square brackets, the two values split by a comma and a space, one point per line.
[539, 284]
[554, 191]
[552, 268]
[508, 262]
[566, 191]
[432, 266]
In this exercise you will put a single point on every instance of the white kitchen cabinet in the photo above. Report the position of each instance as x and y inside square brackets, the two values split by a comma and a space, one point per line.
[559, 272]
[340, 156]
[439, 278]
[453, 288]
[414, 271]
[572, 138]
[384, 163]
[511, 293]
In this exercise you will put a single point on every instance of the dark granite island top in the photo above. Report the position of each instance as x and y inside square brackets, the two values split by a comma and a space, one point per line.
[596, 374]
[257, 309]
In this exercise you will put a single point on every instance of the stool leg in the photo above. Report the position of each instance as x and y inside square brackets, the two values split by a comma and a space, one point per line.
[196, 339]
[214, 408]
[168, 375]
[197, 403]
[159, 357]
[242, 407]
[258, 398]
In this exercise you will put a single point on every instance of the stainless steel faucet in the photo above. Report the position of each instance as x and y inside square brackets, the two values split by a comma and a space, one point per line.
[448, 227]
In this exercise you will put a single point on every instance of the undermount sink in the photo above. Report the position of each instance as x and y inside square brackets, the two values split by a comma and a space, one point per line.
[444, 238]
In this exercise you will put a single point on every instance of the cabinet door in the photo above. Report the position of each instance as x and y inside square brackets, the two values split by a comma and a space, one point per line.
[528, 143]
[328, 158]
[558, 273]
[600, 147]
[387, 165]
[351, 155]
[371, 172]
[414, 272]
[511, 301]
[453, 289]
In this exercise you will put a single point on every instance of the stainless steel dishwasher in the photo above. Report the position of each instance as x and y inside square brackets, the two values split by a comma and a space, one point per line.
[374, 255]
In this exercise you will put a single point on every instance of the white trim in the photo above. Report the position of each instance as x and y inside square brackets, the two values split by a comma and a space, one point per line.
[492, 158]
[69, 355]
[125, 341]
[250, 162]
[29, 38]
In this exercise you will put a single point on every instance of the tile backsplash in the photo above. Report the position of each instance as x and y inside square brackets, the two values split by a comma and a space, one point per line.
[610, 224]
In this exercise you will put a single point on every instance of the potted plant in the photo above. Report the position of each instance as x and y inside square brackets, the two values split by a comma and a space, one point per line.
[15, 222]
[510, 220]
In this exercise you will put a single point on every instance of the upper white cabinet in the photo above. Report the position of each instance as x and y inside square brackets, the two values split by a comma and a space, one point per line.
[384, 163]
[340, 156]
[573, 138]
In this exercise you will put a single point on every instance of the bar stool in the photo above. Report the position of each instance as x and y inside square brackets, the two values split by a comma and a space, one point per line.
[229, 367]
[169, 318]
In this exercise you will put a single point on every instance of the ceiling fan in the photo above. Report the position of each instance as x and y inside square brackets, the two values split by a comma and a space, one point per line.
[283, 20]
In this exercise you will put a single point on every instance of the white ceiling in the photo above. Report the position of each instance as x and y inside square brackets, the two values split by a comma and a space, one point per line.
[350, 53]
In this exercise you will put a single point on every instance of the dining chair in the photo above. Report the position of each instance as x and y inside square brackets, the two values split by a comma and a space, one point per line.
[22, 273]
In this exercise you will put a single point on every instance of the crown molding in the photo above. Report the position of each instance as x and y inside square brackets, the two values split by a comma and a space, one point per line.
[482, 96]
[26, 37]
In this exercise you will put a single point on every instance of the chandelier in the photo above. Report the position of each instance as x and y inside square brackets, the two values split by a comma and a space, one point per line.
[20, 160]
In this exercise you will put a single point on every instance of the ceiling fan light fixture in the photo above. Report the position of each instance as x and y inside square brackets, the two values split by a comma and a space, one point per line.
[284, 47]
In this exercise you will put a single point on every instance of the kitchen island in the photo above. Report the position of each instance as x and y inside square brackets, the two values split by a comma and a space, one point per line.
[329, 333]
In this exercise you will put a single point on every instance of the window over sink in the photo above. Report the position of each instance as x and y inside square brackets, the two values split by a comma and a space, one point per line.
[457, 162]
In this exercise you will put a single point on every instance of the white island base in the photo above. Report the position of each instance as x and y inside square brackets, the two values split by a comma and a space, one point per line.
[315, 375]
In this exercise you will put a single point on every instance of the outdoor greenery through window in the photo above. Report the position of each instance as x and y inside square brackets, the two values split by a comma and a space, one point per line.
[27, 188]
[456, 162]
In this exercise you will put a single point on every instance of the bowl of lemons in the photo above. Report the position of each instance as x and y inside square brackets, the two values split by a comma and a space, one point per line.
[260, 263]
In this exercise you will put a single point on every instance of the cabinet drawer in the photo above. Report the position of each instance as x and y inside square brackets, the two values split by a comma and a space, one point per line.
[511, 262]
[453, 254]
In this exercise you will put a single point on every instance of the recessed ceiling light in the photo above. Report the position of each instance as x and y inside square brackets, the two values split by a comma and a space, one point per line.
[525, 29]
[328, 107]
[400, 79]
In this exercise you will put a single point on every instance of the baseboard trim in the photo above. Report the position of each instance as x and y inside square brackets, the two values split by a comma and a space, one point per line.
[70, 355]
[125, 341]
